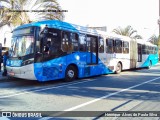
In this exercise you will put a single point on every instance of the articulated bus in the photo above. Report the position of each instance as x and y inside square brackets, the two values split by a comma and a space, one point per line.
[52, 49]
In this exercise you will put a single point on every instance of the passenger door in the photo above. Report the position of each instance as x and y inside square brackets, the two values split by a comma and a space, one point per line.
[92, 49]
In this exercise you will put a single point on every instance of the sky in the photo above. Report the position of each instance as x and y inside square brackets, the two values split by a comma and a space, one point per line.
[142, 15]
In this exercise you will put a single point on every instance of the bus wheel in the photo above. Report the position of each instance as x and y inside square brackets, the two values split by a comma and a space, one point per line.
[71, 73]
[150, 64]
[118, 68]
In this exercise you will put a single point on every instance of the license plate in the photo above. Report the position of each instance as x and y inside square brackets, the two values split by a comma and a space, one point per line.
[11, 73]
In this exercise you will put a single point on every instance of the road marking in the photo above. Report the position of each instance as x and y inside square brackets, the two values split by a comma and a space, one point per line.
[43, 89]
[109, 95]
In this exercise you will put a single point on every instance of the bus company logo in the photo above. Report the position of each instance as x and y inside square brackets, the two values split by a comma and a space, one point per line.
[21, 114]
[49, 10]
[6, 114]
[26, 114]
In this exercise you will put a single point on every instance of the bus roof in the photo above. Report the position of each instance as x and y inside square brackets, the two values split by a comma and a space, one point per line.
[79, 29]
[59, 25]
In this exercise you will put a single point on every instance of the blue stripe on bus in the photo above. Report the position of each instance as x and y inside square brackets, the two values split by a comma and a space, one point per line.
[55, 69]
[153, 58]
[61, 25]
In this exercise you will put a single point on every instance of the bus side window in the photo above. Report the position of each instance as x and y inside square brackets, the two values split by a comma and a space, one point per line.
[152, 50]
[101, 45]
[91, 43]
[118, 46]
[82, 42]
[94, 44]
[147, 49]
[125, 47]
[144, 49]
[66, 42]
[74, 40]
[155, 50]
[110, 46]
[47, 46]
[88, 43]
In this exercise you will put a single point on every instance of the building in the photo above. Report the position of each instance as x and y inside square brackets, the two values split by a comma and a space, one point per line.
[103, 28]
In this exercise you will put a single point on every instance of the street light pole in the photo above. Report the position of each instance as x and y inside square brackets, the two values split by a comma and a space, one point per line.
[159, 32]
[4, 41]
[159, 18]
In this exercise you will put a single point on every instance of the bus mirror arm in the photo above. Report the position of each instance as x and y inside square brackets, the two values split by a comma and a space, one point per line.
[43, 32]
[39, 54]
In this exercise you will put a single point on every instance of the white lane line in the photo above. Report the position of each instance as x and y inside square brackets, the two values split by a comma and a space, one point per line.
[43, 89]
[109, 95]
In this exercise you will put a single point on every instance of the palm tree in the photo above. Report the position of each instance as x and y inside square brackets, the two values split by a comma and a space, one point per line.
[18, 12]
[127, 31]
[155, 39]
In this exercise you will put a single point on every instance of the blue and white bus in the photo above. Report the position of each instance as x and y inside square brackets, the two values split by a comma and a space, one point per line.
[52, 49]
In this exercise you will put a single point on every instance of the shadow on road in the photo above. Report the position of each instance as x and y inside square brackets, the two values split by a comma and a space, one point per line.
[94, 87]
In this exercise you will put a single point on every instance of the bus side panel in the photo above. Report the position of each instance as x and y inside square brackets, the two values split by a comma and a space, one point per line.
[99, 68]
[50, 70]
[86, 70]
[56, 68]
[133, 53]
[103, 63]
[125, 61]
[79, 59]
[153, 58]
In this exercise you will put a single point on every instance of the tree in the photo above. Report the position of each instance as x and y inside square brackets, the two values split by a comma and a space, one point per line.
[127, 31]
[155, 40]
[18, 12]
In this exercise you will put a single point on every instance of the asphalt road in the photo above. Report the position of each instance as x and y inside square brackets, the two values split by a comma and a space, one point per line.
[136, 90]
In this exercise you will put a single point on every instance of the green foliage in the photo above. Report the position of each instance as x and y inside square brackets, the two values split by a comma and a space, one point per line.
[155, 39]
[127, 31]
[18, 12]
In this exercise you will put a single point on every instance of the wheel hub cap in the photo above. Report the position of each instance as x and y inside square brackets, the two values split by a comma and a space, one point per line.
[71, 73]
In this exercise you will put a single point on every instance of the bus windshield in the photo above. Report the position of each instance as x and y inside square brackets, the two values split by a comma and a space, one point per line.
[21, 46]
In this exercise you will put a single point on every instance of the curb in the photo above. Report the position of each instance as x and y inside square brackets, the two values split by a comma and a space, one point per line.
[3, 77]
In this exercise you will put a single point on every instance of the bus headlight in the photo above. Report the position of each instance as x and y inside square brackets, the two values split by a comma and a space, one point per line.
[8, 63]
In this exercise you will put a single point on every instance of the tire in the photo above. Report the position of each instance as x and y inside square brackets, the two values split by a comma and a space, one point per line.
[150, 65]
[71, 73]
[118, 68]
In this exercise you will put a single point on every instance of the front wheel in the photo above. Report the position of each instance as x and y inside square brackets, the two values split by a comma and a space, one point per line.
[118, 68]
[71, 73]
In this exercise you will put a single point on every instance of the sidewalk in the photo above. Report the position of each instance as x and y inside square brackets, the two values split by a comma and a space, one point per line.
[3, 77]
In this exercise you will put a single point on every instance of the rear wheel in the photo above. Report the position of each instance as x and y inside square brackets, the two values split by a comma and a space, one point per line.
[150, 65]
[71, 73]
[118, 68]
